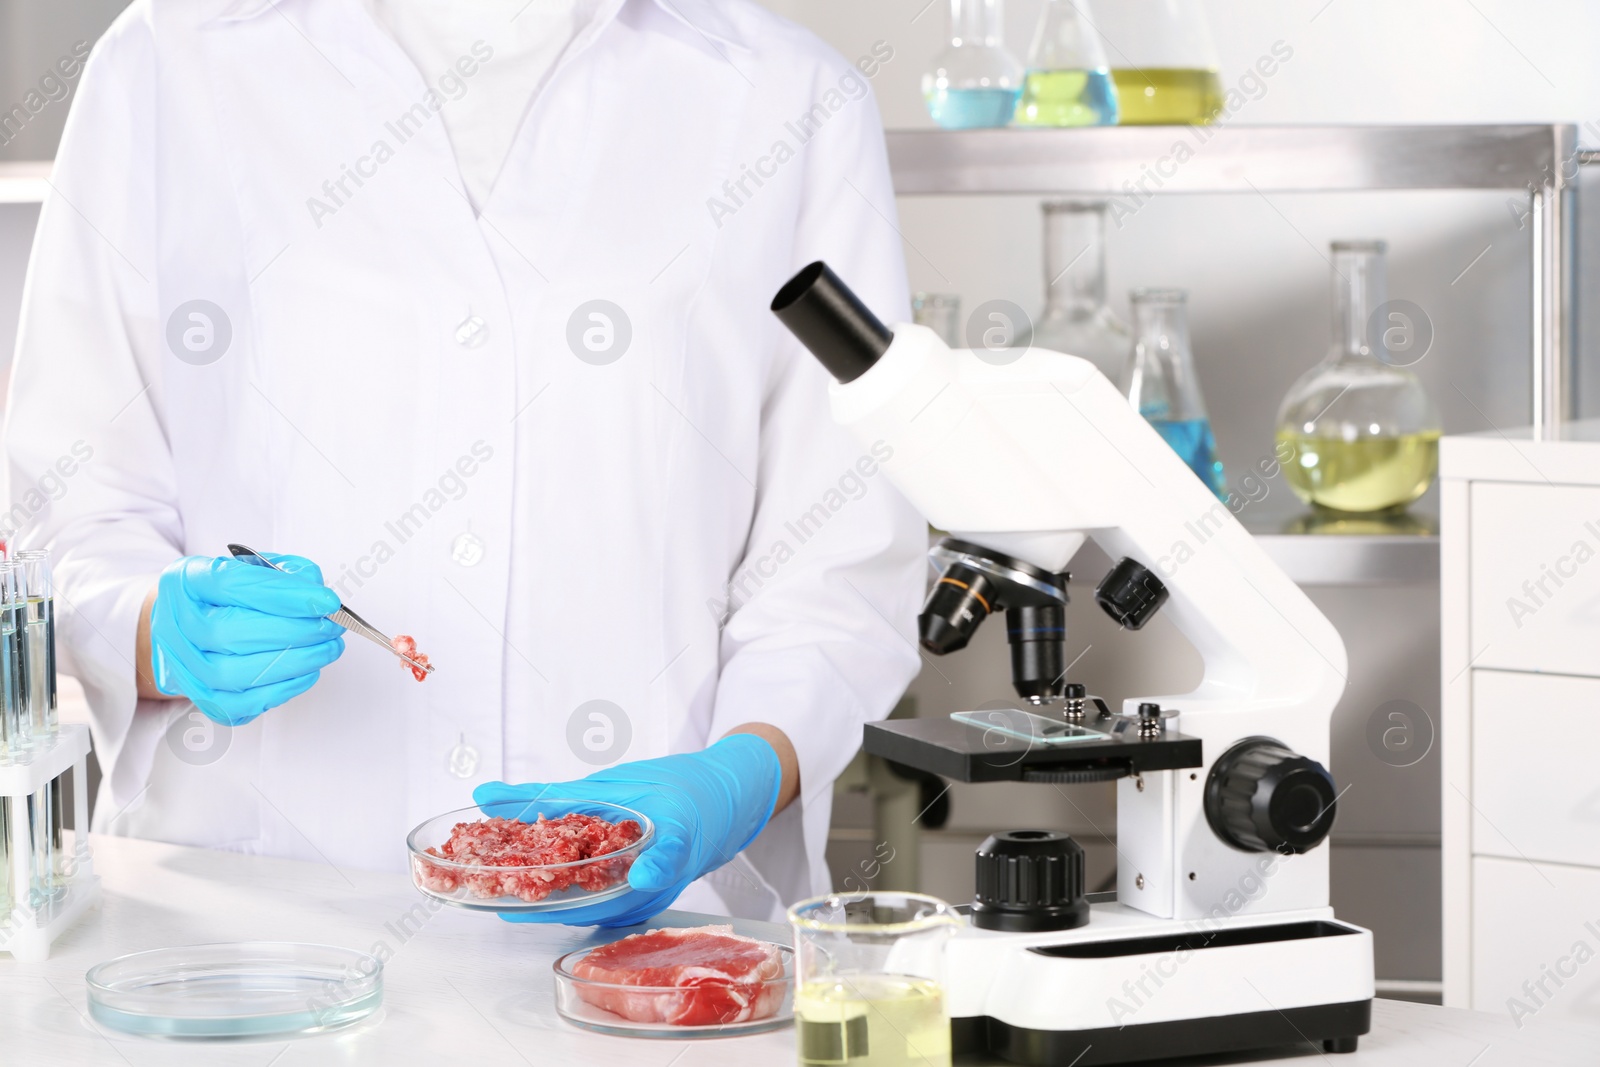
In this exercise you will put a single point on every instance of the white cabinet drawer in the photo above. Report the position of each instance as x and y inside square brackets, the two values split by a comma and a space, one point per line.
[1535, 790]
[1535, 565]
[1536, 940]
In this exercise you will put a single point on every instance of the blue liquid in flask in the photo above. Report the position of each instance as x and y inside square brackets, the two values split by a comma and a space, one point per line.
[971, 109]
[1194, 443]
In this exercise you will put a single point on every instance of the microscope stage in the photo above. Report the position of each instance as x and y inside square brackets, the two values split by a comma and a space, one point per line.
[969, 753]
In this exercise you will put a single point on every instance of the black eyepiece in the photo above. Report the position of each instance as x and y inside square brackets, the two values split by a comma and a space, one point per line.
[832, 322]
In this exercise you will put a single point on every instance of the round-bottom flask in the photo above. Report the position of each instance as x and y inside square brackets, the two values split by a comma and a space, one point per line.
[1357, 433]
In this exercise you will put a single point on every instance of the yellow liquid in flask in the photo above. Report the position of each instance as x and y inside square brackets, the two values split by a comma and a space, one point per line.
[1165, 97]
[872, 1020]
[1364, 475]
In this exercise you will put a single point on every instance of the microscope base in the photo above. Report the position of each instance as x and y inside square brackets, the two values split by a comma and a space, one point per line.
[1331, 1027]
[1155, 989]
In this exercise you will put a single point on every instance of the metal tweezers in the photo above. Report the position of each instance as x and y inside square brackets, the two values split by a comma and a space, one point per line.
[344, 616]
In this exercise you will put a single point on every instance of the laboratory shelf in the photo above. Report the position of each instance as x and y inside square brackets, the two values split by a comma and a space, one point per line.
[1536, 161]
[1327, 549]
[1113, 160]
[24, 183]
[1354, 559]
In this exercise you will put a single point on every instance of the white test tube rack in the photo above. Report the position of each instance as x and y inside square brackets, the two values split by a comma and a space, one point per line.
[26, 932]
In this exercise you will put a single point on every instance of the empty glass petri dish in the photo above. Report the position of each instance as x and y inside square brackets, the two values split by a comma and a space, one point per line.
[719, 1010]
[490, 878]
[243, 989]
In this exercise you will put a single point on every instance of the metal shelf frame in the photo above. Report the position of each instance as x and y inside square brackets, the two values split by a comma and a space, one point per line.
[1537, 161]
[24, 183]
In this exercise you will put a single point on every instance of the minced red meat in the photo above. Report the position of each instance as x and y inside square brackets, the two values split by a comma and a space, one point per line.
[406, 645]
[496, 843]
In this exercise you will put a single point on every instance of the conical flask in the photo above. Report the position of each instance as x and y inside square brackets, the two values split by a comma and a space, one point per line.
[1162, 384]
[1163, 61]
[1068, 82]
[1357, 433]
[975, 81]
[1076, 319]
[941, 313]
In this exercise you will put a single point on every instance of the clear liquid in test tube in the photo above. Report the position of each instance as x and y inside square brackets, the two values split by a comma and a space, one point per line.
[16, 720]
[42, 888]
[7, 869]
[39, 641]
[62, 864]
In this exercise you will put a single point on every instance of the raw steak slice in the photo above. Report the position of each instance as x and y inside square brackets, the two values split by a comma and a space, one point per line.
[406, 645]
[491, 845]
[703, 975]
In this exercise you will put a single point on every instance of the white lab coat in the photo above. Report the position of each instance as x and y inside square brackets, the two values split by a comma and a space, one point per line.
[399, 402]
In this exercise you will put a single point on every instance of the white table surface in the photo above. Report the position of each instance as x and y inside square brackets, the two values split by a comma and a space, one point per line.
[470, 989]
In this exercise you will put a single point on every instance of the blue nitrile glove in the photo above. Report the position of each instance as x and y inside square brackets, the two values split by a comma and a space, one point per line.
[238, 638]
[706, 807]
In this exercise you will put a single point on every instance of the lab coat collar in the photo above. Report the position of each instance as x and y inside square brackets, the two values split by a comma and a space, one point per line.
[701, 16]
[706, 19]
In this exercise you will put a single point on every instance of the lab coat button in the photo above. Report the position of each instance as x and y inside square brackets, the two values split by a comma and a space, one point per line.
[463, 760]
[472, 333]
[467, 549]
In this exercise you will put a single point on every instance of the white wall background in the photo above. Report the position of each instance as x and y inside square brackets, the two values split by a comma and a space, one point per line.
[33, 35]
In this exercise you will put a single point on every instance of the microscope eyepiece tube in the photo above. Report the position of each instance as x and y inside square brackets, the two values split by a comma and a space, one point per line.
[832, 322]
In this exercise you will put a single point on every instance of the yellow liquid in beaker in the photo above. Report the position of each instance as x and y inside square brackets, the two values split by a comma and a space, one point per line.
[1367, 474]
[872, 1020]
[1166, 97]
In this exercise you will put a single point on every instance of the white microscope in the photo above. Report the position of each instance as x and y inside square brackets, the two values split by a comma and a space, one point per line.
[1219, 937]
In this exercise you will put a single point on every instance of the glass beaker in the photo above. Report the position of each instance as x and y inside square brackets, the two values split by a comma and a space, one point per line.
[1076, 319]
[974, 82]
[941, 313]
[1068, 82]
[870, 973]
[39, 641]
[1163, 61]
[16, 724]
[1163, 386]
[1361, 433]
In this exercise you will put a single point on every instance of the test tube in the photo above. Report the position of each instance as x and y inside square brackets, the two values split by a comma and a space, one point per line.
[61, 870]
[42, 888]
[7, 904]
[39, 641]
[16, 716]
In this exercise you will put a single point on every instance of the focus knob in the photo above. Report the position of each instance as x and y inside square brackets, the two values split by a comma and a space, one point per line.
[1029, 880]
[1261, 797]
[1130, 594]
